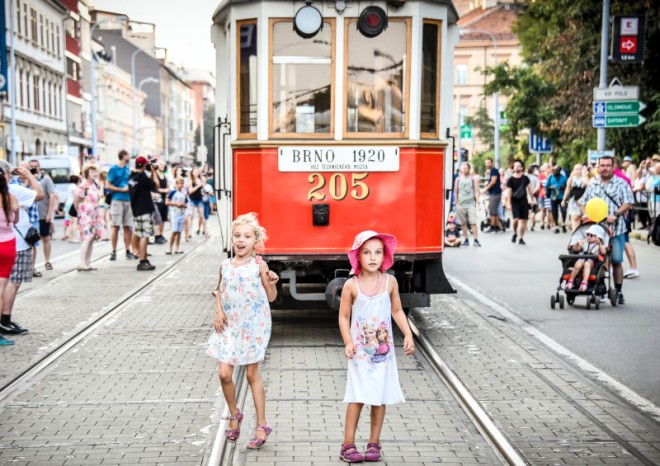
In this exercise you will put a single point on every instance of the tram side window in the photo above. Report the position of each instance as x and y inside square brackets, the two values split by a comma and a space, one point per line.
[376, 80]
[301, 81]
[247, 92]
[430, 79]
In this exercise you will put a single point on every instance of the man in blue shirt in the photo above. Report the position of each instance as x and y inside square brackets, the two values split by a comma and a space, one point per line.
[494, 189]
[555, 191]
[120, 206]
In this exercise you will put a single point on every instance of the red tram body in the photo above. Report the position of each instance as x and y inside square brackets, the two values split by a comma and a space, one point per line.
[328, 134]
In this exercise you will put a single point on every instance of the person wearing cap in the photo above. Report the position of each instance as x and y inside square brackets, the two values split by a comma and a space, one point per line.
[120, 204]
[143, 190]
[629, 167]
[594, 245]
[369, 302]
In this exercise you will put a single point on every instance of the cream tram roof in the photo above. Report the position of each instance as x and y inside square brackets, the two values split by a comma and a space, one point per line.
[452, 16]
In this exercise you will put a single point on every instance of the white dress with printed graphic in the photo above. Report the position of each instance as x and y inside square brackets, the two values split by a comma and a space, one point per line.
[372, 373]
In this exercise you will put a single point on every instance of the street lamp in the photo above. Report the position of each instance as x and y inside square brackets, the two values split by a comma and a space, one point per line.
[135, 53]
[496, 96]
[91, 75]
[144, 81]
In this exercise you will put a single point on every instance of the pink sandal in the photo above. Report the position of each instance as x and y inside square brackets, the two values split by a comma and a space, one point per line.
[233, 434]
[350, 454]
[374, 452]
[257, 442]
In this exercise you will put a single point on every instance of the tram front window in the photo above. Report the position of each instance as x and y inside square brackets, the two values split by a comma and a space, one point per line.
[376, 80]
[302, 78]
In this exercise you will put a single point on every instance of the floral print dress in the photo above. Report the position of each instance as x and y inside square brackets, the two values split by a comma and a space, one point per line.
[247, 333]
[90, 215]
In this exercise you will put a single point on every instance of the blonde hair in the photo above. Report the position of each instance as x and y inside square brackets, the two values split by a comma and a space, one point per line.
[179, 178]
[250, 219]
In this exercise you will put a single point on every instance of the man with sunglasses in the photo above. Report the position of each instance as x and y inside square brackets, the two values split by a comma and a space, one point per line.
[619, 199]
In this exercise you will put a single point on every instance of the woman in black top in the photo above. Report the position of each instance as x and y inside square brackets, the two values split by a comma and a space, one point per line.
[195, 193]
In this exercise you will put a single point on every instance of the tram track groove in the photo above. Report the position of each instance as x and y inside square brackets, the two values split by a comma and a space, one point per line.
[63, 347]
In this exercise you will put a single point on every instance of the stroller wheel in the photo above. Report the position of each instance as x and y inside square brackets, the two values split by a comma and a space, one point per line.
[596, 303]
[612, 295]
[570, 299]
[552, 301]
[588, 302]
[561, 302]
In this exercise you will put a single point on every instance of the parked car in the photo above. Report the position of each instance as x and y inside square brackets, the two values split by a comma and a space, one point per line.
[60, 168]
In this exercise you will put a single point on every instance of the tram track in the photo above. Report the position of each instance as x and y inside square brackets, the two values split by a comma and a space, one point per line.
[225, 453]
[24, 376]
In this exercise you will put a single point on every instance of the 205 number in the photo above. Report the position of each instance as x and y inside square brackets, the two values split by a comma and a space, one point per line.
[337, 186]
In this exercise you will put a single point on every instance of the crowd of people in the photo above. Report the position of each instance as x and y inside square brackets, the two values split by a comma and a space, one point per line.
[138, 202]
[549, 198]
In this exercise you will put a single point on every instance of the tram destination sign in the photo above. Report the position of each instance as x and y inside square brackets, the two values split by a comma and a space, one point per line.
[338, 159]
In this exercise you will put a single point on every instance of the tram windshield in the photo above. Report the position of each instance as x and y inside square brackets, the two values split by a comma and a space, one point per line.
[302, 78]
[376, 87]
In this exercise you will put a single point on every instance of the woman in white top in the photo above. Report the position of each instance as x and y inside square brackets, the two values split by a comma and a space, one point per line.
[575, 187]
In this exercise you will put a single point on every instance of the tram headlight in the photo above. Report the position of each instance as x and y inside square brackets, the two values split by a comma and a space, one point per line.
[372, 21]
[308, 21]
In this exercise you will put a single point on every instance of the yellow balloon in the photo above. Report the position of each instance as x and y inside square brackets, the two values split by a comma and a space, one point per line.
[596, 209]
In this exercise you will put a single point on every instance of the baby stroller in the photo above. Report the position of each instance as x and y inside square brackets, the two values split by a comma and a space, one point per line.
[598, 282]
[485, 223]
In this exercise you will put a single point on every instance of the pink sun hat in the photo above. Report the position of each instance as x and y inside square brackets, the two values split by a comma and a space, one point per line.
[389, 241]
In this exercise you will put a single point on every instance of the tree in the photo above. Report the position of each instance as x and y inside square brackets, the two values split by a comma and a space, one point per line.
[209, 122]
[561, 40]
[484, 126]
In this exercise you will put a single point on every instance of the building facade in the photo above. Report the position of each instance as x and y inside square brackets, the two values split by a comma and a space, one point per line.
[39, 81]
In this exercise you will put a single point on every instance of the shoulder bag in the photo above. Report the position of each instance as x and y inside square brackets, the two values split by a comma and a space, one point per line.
[32, 236]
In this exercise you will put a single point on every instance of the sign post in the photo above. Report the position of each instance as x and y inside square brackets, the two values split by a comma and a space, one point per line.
[628, 39]
[617, 107]
[540, 144]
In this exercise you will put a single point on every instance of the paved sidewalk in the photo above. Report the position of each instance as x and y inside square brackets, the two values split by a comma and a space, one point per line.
[551, 412]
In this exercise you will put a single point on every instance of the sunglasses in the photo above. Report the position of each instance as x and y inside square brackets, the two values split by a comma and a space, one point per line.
[590, 234]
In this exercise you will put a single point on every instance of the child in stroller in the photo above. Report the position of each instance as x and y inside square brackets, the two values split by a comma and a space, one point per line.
[592, 247]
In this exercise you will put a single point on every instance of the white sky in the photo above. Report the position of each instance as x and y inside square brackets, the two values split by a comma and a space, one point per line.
[184, 28]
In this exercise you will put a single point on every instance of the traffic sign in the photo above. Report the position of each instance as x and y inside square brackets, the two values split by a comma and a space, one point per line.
[628, 39]
[618, 106]
[539, 143]
[622, 120]
[466, 132]
[617, 93]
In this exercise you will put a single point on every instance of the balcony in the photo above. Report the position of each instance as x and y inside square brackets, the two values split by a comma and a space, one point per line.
[73, 88]
[72, 45]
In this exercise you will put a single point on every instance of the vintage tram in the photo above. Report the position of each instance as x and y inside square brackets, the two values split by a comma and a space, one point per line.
[333, 118]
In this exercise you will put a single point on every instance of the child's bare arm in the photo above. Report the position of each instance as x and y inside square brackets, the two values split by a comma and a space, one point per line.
[268, 280]
[348, 295]
[220, 317]
[400, 318]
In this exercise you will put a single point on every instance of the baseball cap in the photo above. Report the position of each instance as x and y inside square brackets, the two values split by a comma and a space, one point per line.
[627, 158]
[141, 161]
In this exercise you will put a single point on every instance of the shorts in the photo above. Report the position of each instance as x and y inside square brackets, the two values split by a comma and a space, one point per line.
[163, 210]
[144, 225]
[44, 228]
[196, 203]
[520, 210]
[121, 213]
[466, 214]
[7, 257]
[617, 244]
[177, 223]
[494, 204]
[22, 270]
[547, 203]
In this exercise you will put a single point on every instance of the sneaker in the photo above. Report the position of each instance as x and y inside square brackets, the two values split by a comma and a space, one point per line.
[113, 256]
[619, 298]
[569, 285]
[131, 256]
[601, 298]
[514, 238]
[12, 329]
[563, 228]
[5, 342]
[476, 243]
[493, 230]
[521, 241]
[632, 273]
[160, 239]
[465, 242]
[373, 453]
[557, 231]
[145, 265]
[583, 286]
[542, 227]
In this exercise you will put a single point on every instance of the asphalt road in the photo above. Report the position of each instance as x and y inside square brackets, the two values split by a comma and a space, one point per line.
[621, 341]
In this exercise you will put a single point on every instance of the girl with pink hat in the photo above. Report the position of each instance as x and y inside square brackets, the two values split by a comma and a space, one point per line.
[369, 302]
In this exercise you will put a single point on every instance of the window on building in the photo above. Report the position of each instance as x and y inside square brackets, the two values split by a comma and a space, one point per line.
[461, 75]
[52, 38]
[302, 80]
[47, 35]
[25, 20]
[41, 31]
[462, 113]
[37, 92]
[57, 39]
[19, 29]
[247, 81]
[71, 69]
[20, 82]
[33, 24]
[430, 98]
[376, 84]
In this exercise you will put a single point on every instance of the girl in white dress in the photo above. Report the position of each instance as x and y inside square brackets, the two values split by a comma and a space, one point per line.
[369, 302]
[243, 323]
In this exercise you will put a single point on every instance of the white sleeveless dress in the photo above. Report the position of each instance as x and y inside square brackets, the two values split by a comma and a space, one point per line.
[372, 373]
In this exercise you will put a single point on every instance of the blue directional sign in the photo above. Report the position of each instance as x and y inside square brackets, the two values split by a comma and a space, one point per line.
[599, 121]
[539, 143]
[600, 108]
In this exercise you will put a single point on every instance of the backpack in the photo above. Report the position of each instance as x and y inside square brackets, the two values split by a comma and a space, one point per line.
[654, 232]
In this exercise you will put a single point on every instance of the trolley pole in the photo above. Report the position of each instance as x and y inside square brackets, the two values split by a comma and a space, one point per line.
[603, 63]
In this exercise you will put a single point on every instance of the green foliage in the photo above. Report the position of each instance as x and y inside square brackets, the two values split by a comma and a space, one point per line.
[561, 42]
[209, 116]
[484, 126]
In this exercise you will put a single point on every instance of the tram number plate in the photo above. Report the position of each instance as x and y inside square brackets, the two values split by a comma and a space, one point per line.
[338, 159]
